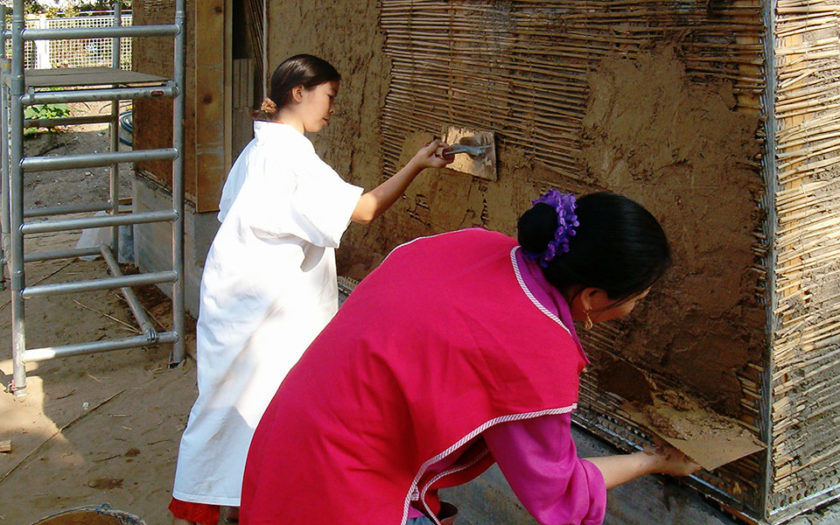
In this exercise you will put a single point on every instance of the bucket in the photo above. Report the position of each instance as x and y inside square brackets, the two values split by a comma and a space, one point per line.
[91, 515]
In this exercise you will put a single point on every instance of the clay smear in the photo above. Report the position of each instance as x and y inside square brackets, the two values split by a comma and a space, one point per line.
[689, 425]
[683, 149]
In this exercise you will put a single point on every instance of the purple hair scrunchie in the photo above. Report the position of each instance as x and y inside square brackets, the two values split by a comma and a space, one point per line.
[564, 204]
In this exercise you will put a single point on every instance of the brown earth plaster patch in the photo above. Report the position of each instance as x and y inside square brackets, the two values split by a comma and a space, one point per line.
[681, 149]
[689, 425]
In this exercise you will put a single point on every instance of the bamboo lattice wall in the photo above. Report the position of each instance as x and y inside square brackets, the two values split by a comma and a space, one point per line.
[519, 68]
[806, 339]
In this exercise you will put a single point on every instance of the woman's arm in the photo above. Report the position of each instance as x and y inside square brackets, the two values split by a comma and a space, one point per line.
[661, 460]
[374, 203]
[539, 460]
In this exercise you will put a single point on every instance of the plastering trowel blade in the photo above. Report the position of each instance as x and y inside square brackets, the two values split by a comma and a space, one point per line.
[482, 164]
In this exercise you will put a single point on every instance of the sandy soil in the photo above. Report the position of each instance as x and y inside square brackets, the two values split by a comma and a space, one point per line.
[93, 429]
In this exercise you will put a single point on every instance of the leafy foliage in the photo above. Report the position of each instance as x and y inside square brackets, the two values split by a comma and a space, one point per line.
[43, 111]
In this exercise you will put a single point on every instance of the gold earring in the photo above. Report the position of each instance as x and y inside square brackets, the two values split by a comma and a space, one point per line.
[588, 323]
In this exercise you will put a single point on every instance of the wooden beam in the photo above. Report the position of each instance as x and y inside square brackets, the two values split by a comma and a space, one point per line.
[210, 120]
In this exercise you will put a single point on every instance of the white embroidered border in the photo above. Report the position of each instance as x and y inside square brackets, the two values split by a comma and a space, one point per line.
[412, 241]
[551, 315]
[461, 442]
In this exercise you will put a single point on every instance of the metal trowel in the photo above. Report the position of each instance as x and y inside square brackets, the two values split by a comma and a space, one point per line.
[472, 151]
[479, 148]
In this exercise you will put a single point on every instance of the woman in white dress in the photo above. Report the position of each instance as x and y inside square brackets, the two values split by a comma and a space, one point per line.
[269, 283]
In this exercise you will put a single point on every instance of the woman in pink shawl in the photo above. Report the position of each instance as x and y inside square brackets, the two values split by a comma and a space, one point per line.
[458, 352]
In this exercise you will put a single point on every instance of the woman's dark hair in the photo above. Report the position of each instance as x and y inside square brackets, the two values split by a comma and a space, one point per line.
[300, 70]
[618, 247]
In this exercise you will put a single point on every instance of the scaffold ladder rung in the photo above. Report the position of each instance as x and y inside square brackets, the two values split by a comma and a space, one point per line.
[108, 283]
[46, 211]
[60, 254]
[98, 95]
[95, 160]
[101, 32]
[51, 352]
[98, 221]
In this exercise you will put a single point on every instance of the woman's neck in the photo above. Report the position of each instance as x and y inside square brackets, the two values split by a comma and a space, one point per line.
[285, 116]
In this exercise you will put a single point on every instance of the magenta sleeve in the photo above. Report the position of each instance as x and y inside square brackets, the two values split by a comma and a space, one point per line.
[539, 459]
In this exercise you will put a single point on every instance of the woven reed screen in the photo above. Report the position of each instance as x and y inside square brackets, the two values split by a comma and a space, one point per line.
[806, 341]
[519, 68]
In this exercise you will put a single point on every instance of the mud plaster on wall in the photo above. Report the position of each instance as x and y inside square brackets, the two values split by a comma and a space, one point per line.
[444, 200]
[649, 132]
[347, 34]
[681, 149]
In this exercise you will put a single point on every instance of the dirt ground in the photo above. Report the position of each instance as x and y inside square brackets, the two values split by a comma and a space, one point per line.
[92, 429]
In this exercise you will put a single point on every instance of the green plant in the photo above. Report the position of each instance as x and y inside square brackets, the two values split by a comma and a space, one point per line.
[44, 111]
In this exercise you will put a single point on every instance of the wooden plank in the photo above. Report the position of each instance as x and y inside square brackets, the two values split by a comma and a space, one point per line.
[153, 126]
[228, 59]
[88, 76]
[210, 44]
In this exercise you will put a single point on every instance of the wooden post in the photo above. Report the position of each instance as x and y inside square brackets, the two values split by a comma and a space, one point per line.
[211, 41]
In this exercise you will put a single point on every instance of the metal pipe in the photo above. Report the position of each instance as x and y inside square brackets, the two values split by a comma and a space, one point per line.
[43, 290]
[93, 160]
[101, 32]
[16, 90]
[178, 185]
[65, 121]
[133, 303]
[60, 254]
[94, 95]
[51, 352]
[65, 210]
[5, 66]
[115, 43]
[114, 127]
[98, 222]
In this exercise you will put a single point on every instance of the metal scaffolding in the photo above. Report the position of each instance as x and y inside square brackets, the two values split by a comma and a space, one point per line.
[26, 87]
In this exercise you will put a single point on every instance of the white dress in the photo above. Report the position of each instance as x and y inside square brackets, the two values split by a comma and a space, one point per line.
[268, 288]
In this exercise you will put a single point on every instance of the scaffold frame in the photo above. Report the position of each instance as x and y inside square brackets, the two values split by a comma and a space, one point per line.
[21, 87]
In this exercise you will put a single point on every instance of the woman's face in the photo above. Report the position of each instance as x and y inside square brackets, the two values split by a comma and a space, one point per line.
[317, 106]
[615, 310]
[600, 307]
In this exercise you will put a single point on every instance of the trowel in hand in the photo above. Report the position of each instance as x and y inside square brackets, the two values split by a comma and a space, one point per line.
[478, 148]
[472, 151]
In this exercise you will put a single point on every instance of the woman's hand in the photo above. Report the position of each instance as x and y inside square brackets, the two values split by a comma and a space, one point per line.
[662, 459]
[668, 460]
[432, 156]
[374, 202]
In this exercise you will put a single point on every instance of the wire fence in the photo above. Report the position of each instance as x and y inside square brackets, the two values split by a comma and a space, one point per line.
[87, 52]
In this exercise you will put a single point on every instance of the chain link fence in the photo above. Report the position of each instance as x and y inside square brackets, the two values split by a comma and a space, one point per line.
[88, 52]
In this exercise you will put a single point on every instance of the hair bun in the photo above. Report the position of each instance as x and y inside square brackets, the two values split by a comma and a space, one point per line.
[536, 227]
[268, 106]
